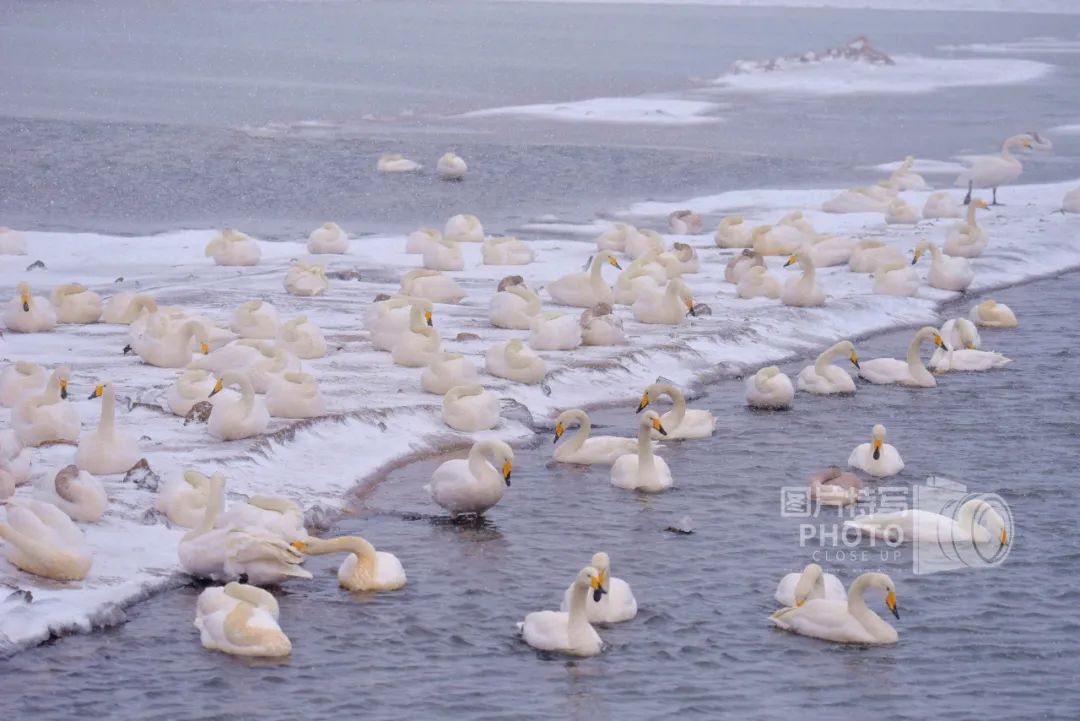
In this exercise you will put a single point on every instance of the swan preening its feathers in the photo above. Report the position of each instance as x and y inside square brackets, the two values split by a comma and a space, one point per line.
[843, 621]
[231, 247]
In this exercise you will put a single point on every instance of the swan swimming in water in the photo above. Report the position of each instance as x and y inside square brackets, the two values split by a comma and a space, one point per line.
[616, 604]
[680, 422]
[28, 313]
[241, 620]
[41, 539]
[231, 247]
[992, 314]
[451, 167]
[910, 372]
[834, 487]
[75, 303]
[583, 449]
[643, 470]
[107, 450]
[365, 569]
[847, 621]
[823, 378]
[963, 353]
[993, 171]
[878, 458]
[795, 589]
[475, 484]
[769, 389]
[568, 632]
[976, 523]
[328, 239]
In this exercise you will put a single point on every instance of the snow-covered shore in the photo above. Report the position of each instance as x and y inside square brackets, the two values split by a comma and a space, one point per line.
[377, 412]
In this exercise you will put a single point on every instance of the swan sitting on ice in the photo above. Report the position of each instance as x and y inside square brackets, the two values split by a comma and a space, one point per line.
[443, 254]
[643, 470]
[823, 378]
[769, 389]
[804, 291]
[554, 331]
[231, 247]
[896, 278]
[684, 222]
[795, 589]
[432, 285]
[464, 228]
[908, 179]
[419, 239]
[396, 163]
[451, 167]
[942, 205]
[740, 263]
[515, 361]
[878, 458]
[28, 313]
[568, 632]
[733, 232]
[232, 419]
[388, 319]
[506, 250]
[847, 621]
[616, 604]
[967, 239]
[911, 372]
[255, 319]
[302, 338]
[867, 255]
[75, 303]
[419, 343]
[758, 282]
[946, 272]
[470, 408]
[583, 448]
[306, 279]
[12, 242]
[667, 306]
[76, 493]
[366, 569]
[46, 416]
[614, 238]
[899, 212]
[18, 379]
[41, 539]
[993, 171]
[514, 305]
[328, 239]
[294, 395]
[475, 484]
[586, 289]
[992, 314]
[600, 326]
[107, 450]
[446, 370]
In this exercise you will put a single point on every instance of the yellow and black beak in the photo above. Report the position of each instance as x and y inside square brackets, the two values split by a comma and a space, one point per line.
[643, 404]
[204, 348]
[611, 259]
[427, 317]
[915, 257]
[940, 343]
[890, 601]
[690, 307]
[658, 426]
[26, 304]
[97, 393]
[217, 389]
[792, 260]
[877, 448]
[854, 359]
[63, 389]
[1004, 537]
[559, 430]
[507, 467]
[598, 591]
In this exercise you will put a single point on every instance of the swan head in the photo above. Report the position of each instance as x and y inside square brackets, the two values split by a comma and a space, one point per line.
[609, 258]
[877, 440]
[651, 419]
[63, 375]
[883, 583]
[602, 563]
[24, 295]
[922, 247]
[990, 518]
[592, 579]
[979, 203]
[99, 390]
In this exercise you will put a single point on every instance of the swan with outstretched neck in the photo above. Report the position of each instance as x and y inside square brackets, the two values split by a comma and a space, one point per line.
[568, 632]
[643, 470]
[946, 272]
[804, 291]
[29, 313]
[47, 416]
[583, 448]
[107, 450]
[366, 569]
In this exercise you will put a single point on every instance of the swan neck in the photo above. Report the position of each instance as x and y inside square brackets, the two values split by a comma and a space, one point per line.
[678, 412]
[914, 360]
[644, 447]
[582, 433]
[578, 618]
[826, 358]
[108, 411]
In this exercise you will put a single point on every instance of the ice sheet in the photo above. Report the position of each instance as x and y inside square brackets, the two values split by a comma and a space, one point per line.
[378, 415]
[641, 110]
[923, 166]
[1012, 6]
[1033, 45]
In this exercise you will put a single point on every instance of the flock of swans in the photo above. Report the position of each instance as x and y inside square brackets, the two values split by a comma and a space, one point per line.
[240, 375]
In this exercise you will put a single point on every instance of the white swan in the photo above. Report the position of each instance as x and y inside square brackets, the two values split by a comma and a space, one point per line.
[668, 307]
[1071, 202]
[420, 238]
[946, 273]
[419, 343]
[963, 355]
[684, 222]
[906, 178]
[878, 458]
[779, 239]
[515, 361]
[18, 379]
[867, 255]
[898, 212]
[848, 621]
[733, 232]
[864, 199]
[993, 171]
[804, 291]
[126, 307]
[231, 247]
[169, 346]
[226, 598]
[184, 497]
[365, 569]
[475, 484]
[643, 276]
[107, 450]
[244, 629]
[942, 205]
[976, 523]
[28, 313]
[740, 263]
[514, 307]
[910, 372]
[600, 326]
[758, 282]
[680, 422]
[302, 338]
[75, 303]
[255, 319]
[584, 290]
[643, 470]
[828, 251]
[957, 333]
[967, 239]
[506, 250]
[446, 370]
[554, 331]
[470, 409]
[42, 540]
[643, 241]
[992, 314]
[396, 163]
[897, 278]
[47, 416]
[306, 279]
[443, 254]
[294, 395]
[389, 319]
[276, 515]
[232, 419]
[271, 363]
[328, 239]
[795, 589]
[680, 259]
[614, 237]
[451, 167]
[12, 242]
[432, 285]
[823, 378]
[75, 492]
[464, 228]
[769, 388]
[568, 632]
[586, 450]
[617, 603]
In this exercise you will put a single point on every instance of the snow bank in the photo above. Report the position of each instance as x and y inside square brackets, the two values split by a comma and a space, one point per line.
[641, 110]
[377, 414]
